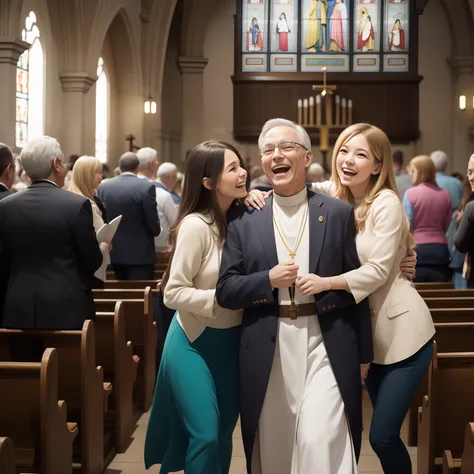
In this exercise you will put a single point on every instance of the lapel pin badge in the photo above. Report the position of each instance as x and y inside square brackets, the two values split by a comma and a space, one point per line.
[321, 219]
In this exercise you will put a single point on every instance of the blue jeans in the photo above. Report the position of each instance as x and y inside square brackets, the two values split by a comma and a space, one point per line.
[391, 389]
[459, 282]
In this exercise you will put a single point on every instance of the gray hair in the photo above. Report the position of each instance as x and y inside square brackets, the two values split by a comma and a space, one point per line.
[440, 160]
[37, 157]
[280, 122]
[145, 156]
[316, 171]
[128, 162]
[166, 169]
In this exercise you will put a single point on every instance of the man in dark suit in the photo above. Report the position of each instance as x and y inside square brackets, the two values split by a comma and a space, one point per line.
[48, 236]
[7, 171]
[133, 254]
[301, 355]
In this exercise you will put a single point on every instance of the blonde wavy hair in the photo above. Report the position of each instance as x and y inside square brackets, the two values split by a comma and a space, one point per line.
[379, 146]
[425, 170]
[83, 176]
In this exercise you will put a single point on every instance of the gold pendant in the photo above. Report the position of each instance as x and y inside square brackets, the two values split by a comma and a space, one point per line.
[293, 311]
[292, 255]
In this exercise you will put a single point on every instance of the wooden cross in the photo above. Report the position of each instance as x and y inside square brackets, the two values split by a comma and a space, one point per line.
[130, 139]
[324, 88]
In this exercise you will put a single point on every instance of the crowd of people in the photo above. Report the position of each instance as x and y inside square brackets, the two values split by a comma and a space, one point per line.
[290, 289]
[51, 254]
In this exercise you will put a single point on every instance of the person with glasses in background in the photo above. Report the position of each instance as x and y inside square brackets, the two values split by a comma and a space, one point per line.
[47, 236]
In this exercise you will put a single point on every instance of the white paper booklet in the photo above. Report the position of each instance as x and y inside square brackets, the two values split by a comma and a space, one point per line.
[107, 231]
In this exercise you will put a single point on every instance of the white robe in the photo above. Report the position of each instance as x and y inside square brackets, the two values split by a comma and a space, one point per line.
[303, 427]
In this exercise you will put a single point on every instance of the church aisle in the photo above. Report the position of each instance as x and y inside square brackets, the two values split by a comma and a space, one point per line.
[131, 462]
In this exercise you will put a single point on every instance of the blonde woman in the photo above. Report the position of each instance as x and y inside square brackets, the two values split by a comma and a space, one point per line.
[403, 330]
[86, 177]
[421, 202]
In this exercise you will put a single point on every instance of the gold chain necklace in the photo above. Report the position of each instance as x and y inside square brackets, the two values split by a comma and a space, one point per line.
[292, 254]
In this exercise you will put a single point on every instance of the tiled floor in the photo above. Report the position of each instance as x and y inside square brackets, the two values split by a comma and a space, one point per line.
[132, 461]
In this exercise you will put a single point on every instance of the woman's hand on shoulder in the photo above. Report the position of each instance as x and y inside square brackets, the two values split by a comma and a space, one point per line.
[256, 199]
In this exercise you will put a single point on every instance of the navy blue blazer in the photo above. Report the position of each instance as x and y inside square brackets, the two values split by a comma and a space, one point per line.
[249, 254]
[135, 200]
[4, 192]
[48, 239]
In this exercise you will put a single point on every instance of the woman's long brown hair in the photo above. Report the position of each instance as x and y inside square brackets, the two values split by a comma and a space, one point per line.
[206, 160]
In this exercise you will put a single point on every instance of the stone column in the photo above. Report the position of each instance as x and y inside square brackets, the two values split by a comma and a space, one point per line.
[463, 84]
[75, 86]
[11, 49]
[192, 70]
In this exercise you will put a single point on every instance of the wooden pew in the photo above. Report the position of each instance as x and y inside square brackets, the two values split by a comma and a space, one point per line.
[455, 337]
[450, 337]
[456, 302]
[130, 284]
[140, 328]
[34, 418]
[450, 315]
[446, 409]
[446, 293]
[81, 385]
[115, 354]
[449, 285]
[7, 456]
[157, 274]
[465, 465]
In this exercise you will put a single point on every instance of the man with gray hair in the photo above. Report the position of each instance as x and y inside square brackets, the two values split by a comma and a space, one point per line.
[48, 236]
[452, 185]
[300, 354]
[133, 253]
[316, 173]
[167, 211]
[167, 177]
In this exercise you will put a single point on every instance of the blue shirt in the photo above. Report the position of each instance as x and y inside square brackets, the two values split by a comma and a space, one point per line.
[175, 197]
[404, 182]
[453, 186]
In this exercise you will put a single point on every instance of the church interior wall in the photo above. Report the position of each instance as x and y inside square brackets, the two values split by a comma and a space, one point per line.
[172, 97]
[128, 81]
[436, 99]
[134, 71]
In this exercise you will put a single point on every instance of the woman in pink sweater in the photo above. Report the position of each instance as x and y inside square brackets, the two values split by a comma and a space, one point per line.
[428, 208]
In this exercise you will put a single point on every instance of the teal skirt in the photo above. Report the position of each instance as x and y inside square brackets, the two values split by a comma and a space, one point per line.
[195, 407]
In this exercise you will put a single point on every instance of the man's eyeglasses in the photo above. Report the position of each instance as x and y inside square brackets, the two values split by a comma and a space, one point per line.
[61, 161]
[284, 147]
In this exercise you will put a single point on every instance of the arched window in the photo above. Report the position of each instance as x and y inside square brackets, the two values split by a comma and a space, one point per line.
[30, 85]
[101, 113]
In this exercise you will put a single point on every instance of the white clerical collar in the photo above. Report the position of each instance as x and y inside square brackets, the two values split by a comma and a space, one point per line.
[289, 201]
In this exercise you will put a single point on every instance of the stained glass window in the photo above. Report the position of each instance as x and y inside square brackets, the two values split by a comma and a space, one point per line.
[341, 35]
[101, 113]
[30, 85]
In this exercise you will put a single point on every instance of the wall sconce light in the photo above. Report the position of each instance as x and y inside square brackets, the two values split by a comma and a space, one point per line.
[150, 105]
[462, 102]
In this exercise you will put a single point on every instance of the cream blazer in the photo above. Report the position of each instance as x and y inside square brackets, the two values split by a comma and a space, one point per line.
[401, 321]
[194, 271]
